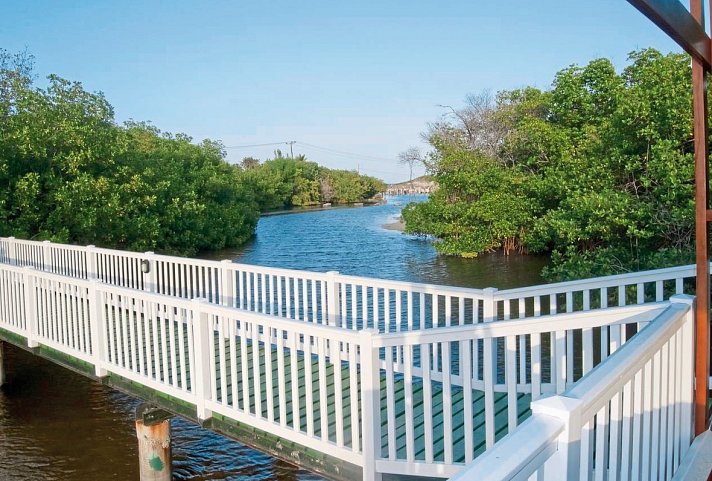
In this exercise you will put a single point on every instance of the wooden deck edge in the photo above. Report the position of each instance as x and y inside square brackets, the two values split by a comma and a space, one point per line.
[288, 451]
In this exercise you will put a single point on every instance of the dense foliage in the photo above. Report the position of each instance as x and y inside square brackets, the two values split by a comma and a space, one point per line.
[286, 182]
[597, 170]
[69, 173]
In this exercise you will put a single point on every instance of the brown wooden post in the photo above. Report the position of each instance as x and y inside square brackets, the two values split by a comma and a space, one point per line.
[702, 337]
[687, 29]
[153, 429]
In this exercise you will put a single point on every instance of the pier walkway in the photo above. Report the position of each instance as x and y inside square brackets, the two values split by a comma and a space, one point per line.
[355, 377]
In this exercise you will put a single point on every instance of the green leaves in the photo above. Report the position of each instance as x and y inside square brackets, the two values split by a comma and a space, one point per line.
[598, 170]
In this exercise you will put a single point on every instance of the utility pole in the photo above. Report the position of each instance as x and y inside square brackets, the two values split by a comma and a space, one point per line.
[290, 143]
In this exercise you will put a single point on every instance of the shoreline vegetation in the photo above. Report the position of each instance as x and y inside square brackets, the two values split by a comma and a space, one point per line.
[70, 173]
[597, 170]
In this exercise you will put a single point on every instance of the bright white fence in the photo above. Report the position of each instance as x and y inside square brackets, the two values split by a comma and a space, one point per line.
[340, 300]
[628, 419]
[418, 402]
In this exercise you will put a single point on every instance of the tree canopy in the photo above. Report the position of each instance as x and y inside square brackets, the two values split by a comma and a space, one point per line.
[70, 173]
[598, 170]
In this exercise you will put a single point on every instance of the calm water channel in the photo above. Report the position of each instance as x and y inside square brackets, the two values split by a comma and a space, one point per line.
[56, 425]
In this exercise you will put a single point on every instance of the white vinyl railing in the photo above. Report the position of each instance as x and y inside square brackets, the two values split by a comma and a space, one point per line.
[341, 300]
[414, 402]
[628, 419]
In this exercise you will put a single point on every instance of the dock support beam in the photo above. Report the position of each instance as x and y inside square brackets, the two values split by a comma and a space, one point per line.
[153, 430]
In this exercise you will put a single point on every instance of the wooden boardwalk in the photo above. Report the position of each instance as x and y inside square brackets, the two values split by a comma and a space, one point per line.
[349, 377]
[456, 404]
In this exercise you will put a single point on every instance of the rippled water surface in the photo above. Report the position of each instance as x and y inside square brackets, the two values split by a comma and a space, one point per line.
[57, 425]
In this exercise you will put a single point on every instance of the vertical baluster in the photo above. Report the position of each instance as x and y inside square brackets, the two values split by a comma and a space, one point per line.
[467, 375]
[656, 414]
[288, 297]
[293, 359]
[409, 309]
[232, 328]
[390, 403]
[156, 372]
[320, 344]
[256, 373]
[269, 382]
[309, 384]
[614, 458]
[181, 324]
[511, 380]
[353, 398]
[281, 379]
[222, 361]
[427, 401]
[335, 358]
[244, 359]
[447, 402]
[408, 386]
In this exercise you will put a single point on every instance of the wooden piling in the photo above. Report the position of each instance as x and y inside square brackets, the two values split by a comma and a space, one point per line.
[153, 430]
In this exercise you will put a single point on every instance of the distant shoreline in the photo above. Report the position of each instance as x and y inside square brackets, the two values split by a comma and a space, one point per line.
[317, 208]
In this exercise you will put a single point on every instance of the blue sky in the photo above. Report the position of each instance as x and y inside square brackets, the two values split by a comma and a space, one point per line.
[354, 77]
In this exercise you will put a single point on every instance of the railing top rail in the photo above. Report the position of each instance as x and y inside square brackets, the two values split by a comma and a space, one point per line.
[505, 294]
[413, 286]
[532, 325]
[598, 386]
[77, 281]
[520, 453]
[596, 282]
[332, 332]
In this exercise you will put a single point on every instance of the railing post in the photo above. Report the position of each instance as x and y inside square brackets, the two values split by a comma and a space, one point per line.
[333, 305]
[371, 404]
[12, 251]
[227, 293]
[148, 268]
[92, 273]
[489, 314]
[31, 316]
[47, 264]
[687, 399]
[565, 464]
[202, 337]
[98, 329]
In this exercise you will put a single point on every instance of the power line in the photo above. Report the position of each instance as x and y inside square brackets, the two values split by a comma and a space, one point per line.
[349, 154]
[255, 145]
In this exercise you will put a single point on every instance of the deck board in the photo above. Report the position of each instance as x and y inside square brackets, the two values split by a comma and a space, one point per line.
[457, 402]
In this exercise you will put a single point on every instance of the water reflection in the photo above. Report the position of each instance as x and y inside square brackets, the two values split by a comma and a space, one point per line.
[353, 241]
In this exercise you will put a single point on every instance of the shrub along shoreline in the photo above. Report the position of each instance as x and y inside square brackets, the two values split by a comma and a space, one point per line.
[69, 173]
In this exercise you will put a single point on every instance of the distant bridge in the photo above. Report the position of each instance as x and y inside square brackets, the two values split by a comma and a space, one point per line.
[354, 377]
